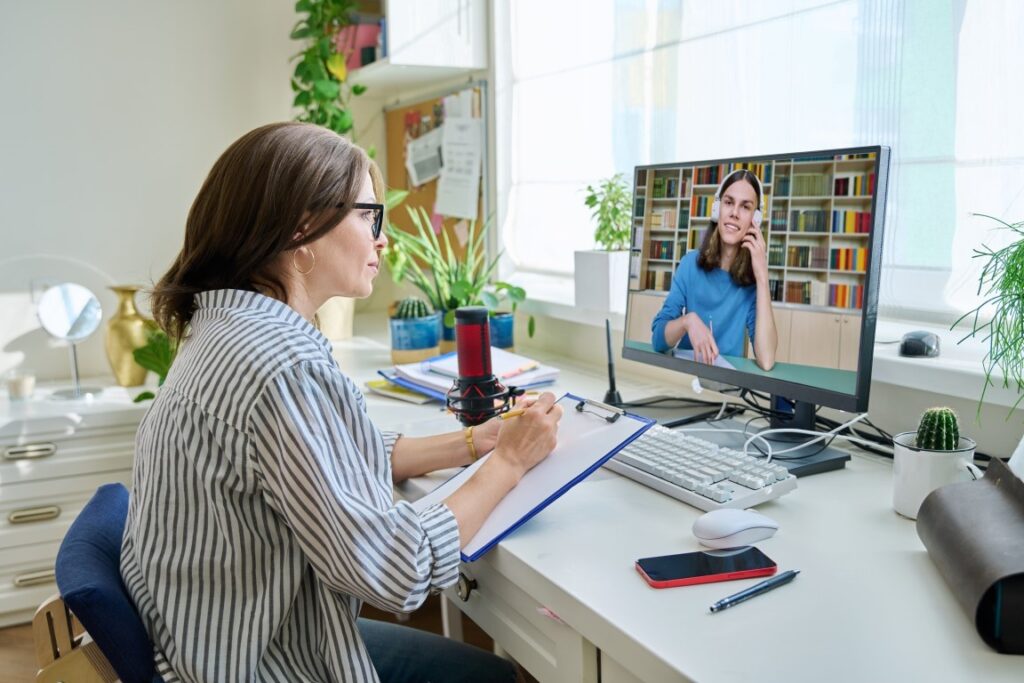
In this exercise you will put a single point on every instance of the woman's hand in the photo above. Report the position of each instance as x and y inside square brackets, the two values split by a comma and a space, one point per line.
[705, 350]
[524, 441]
[753, 242]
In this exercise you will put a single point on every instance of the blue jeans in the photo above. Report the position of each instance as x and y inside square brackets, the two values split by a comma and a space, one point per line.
[407, 655]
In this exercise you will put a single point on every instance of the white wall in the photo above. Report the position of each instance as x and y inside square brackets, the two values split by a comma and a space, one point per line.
[113, 112]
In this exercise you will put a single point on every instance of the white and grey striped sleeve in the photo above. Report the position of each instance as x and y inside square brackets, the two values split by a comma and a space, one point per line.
[324, 469]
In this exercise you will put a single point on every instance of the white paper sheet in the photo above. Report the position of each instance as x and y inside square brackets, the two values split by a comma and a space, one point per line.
[423, 157]
[687, 354]
[458, 189]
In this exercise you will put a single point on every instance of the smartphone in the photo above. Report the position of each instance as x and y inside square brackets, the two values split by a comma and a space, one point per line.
[687, 569]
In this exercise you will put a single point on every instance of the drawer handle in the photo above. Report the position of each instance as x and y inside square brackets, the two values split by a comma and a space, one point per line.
[38, 514]
[464, 588]
[34, 578]
[30, 451]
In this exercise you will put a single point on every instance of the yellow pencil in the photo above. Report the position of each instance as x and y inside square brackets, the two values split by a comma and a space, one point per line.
[513, 413]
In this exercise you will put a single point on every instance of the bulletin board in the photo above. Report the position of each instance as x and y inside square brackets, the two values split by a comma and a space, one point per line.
[409, 121]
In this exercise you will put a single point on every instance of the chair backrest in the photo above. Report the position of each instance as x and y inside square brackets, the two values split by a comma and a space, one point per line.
[89, 578]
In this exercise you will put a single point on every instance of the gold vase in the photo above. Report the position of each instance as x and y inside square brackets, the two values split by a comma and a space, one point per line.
[126, 331]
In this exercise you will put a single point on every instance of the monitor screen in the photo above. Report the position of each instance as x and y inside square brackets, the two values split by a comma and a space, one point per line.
[706, 291]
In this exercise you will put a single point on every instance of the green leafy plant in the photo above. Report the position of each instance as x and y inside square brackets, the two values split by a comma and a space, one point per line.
[938, 430]
[156, 356]
[412, 307]
[320, 80]
[446, 280]
[610, 203]
[1001, 285]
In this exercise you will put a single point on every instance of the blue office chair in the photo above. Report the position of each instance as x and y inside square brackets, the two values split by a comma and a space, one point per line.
[89, 579]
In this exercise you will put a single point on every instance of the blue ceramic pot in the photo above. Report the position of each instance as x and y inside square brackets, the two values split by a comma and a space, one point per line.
[502, 330]
[409, 334]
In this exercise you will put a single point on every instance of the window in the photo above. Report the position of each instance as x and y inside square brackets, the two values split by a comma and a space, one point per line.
[587, 88]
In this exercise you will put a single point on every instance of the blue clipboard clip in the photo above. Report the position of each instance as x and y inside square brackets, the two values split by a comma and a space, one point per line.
[586, 405]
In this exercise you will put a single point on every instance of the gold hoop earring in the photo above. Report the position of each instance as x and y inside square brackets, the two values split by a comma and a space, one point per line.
[295, 263]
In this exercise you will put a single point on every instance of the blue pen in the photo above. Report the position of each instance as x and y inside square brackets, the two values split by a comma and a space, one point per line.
[763, 587]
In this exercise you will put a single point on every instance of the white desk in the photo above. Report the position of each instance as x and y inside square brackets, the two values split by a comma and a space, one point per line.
[869, 604]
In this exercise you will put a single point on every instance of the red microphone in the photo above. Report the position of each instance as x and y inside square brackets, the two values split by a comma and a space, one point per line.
[477, 395]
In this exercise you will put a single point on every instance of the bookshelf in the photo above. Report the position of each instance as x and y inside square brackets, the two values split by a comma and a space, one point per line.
[816, 224]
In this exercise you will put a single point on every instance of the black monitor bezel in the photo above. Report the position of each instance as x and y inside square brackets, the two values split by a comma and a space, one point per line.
[857, 402]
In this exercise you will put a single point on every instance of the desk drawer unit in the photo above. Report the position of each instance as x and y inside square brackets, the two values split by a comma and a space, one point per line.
[551, 651]
[53, 457]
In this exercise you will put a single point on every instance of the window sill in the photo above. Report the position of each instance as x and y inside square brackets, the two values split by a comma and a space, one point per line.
[956, 372]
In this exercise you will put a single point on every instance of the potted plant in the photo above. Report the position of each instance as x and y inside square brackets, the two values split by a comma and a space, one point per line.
[932, 456]
[1001, 288]
[448, 282]
[157, 354]
[502, 322]
[415, 331]
[601, 275]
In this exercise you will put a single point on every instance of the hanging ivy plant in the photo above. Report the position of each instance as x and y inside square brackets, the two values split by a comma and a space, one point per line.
[320, 80]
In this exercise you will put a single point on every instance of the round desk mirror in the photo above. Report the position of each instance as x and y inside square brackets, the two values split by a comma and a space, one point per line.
[71, 313]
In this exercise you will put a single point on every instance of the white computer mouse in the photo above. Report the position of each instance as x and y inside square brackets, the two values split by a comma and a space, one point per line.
[727, 528]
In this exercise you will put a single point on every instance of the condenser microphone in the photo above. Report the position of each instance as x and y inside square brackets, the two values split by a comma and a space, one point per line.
[477, 395]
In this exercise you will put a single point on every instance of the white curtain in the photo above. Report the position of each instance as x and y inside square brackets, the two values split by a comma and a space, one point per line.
[588, 88]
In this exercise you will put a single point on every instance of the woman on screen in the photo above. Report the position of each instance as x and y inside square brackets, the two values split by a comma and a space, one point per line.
[262, 512]
[720, 292]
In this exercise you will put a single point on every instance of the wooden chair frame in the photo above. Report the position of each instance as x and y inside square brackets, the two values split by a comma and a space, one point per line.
[62, 655]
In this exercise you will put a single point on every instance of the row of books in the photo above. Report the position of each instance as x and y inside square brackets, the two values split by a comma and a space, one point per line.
[670, 187]
[846, 296]
[807, 257]
[782, 185]
[851, 221]
[638, 237]
[862, 155]
[764, 173]
[433, 377]
[661, 249]
[776, 253]
[808, 220]
[855, 185]
[638, 207]
[851, 259]
[810, 292]
[660, 280]
[665, 218]
[811, 185]
[701, 206]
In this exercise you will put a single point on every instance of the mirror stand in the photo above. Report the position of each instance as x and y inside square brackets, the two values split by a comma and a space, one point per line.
[76, 391]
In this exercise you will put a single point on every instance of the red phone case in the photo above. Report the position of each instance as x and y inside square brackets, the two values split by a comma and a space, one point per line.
[707, 578]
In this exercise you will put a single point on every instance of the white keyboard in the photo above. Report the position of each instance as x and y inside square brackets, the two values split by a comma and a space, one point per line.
[699, 472]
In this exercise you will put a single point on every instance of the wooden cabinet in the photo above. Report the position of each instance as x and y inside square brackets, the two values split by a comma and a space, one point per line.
[643, 306]
[828, 340]
[53, 456]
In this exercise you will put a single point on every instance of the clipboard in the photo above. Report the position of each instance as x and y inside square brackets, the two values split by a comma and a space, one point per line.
[589, 434]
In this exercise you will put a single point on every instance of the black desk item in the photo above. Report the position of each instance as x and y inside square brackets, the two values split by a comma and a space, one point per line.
[973, 532]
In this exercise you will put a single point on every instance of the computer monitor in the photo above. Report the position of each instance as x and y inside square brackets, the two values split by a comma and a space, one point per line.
[820, 216]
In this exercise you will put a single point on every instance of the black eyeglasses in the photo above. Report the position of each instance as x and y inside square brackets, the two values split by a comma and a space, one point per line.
[378, 217]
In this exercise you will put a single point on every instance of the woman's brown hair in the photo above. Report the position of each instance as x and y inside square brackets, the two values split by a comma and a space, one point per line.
[710, 257]
[268, 185]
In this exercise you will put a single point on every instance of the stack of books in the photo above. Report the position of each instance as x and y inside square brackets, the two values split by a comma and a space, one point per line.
[433, 377]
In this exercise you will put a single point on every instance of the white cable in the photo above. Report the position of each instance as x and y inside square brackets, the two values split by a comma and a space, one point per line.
[721, 411]
[820, 436]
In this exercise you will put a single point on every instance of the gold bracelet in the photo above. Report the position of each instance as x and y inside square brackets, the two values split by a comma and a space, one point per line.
[469, 442]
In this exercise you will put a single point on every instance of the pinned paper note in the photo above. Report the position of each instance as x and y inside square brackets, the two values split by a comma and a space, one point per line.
[423, 157]
[459, 186]
[437, 220]
[462, 232]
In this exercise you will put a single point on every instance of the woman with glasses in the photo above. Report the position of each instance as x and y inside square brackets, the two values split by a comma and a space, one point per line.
[262, 513]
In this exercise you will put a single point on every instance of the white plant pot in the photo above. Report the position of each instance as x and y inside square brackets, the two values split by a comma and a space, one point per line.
[601, 279]
[919, 471]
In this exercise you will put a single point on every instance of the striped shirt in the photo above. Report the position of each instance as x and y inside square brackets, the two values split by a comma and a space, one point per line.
[262, 512]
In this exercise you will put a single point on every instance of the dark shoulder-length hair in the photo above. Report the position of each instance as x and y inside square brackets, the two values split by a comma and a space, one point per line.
[710, 256]
[267, 186]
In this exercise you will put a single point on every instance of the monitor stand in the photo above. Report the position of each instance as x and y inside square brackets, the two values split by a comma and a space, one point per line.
[810, 459]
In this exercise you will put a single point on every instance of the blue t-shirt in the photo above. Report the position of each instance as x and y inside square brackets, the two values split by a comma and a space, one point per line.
[723, 305]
